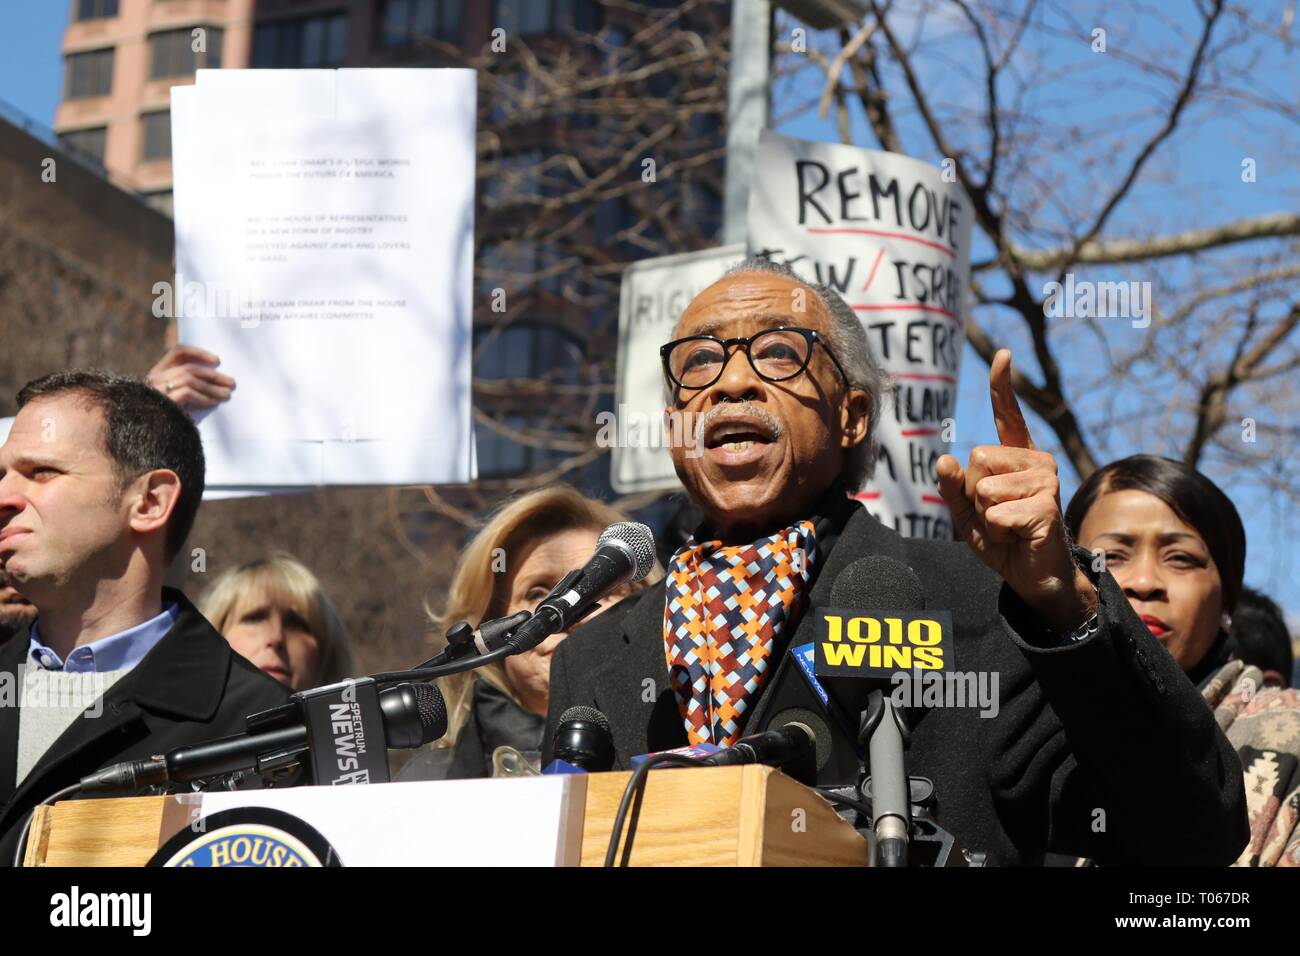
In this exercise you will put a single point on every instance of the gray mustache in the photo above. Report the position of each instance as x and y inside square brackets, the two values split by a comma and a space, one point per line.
[735, 411]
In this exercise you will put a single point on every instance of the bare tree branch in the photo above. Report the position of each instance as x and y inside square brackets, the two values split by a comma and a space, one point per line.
[1213, 407]
[1181, 100]
[1158, 247]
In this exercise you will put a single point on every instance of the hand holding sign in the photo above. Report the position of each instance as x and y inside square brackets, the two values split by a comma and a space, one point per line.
[1006, 504]
[189, 377]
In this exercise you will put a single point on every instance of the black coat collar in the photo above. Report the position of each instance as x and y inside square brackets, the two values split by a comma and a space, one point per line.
[182, 678]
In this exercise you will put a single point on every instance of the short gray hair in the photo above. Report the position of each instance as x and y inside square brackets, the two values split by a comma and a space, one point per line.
[848, 339]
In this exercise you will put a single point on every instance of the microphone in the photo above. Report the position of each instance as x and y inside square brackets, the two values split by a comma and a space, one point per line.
[582, 743]
[624, 554]
[876, 582]
[791, 747]
[875, 632]
[863, 646]
[411, 715]
[414, 715]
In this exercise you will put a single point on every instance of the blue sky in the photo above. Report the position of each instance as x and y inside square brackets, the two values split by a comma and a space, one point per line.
[1195, 182]
[31, 70]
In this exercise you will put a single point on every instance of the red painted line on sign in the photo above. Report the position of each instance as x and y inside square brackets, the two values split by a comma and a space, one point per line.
[821, 231]
[915, 307]
[880, 255]
[911, 432]
[922, 377]
[875, 495]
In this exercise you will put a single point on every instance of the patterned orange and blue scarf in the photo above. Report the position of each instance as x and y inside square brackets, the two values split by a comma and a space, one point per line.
[723, 611]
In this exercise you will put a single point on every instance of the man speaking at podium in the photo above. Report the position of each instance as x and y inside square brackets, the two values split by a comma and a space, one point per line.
[1100, 747]
[100, 479]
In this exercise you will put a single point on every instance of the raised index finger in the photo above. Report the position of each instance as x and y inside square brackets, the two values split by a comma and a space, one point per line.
[1012, 430]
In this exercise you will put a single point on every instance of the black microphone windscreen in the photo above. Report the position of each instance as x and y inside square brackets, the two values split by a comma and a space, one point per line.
[433, 711]
[821, 731]
[583, 738]
[878, 583]
[586, 713]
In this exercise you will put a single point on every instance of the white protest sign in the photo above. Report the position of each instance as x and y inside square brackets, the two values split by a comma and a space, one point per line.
[324, 250]
[653, 295]
[893, 238]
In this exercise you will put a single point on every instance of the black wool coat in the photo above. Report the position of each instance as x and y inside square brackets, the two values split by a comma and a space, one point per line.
[1102, 749]
[190, 688]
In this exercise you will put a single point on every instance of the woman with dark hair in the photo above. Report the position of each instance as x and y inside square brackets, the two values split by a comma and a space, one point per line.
[1176, 546]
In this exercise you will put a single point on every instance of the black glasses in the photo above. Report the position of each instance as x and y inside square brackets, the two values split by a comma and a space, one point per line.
[775, 355]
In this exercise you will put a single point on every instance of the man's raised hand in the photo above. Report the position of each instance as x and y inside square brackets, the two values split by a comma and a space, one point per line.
[1006, 504]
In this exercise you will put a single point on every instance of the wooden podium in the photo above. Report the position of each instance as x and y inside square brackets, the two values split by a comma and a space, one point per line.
[724, 816]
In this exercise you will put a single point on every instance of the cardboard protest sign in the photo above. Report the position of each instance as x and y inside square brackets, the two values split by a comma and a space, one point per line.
[892, 237]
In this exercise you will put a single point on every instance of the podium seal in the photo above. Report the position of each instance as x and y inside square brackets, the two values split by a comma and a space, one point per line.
[249, 837]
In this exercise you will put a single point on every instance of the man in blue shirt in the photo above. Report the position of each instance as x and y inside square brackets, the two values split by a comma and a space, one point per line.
[100, 480]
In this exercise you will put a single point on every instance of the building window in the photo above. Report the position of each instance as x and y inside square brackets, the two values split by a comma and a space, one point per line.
[95, 9]
[174, 53]
[87, 143]
[89, 74]
[304, 42]
[538, 17]
[407, 22]
[157, 135]
[514, 179]
[516, 352]
[521, 266]
[498, 456]
[161, 200]
[513, 98]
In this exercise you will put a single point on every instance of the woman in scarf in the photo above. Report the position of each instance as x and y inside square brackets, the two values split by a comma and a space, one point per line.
[1175, 543]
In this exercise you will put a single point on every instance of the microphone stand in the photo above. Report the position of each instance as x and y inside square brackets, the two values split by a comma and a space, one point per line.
[903, 829]
[884, 735]
[463, 640]
[467, 648]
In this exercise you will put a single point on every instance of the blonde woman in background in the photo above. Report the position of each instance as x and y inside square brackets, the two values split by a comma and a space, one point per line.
[274, 612]
[511, 565]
